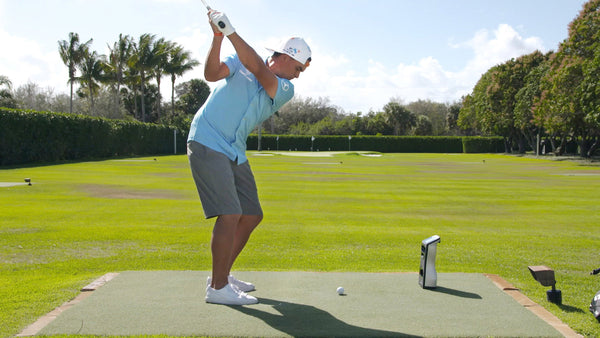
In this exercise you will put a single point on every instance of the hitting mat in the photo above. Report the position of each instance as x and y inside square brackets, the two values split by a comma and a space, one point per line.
[300, 304]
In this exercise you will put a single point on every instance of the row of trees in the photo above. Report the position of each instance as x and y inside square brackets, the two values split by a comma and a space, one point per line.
[301, 116]
[189, 96]
[308, 116]
[127, 72]
[554, 95]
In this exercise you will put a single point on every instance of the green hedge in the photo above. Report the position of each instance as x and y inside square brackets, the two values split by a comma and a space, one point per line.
[30, 136]
[384, 144]
[483, 144]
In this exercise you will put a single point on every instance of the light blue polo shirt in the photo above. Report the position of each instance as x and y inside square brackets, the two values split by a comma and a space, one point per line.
[237, 105]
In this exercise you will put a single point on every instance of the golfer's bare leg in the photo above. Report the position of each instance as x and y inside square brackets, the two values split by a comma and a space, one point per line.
[222, 243]
[246, 225]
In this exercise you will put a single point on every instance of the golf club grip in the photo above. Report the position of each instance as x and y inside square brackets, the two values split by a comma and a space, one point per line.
[220, 23]
[595, 272]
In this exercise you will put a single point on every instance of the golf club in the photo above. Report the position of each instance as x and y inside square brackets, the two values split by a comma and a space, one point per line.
[206, 5]
[220, 23]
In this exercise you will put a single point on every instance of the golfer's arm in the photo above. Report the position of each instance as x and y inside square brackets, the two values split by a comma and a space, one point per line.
[214, 69]
[255, 64]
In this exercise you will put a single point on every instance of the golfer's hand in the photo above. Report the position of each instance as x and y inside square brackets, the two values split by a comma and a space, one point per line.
[215, 29]
[221, 21]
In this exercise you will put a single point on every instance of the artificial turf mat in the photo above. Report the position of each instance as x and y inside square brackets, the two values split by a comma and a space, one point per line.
[302, 304]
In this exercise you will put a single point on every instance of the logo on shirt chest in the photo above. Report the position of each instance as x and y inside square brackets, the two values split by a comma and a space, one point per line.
[247, 74]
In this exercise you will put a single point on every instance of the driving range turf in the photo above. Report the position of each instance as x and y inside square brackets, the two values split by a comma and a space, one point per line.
[346, 212]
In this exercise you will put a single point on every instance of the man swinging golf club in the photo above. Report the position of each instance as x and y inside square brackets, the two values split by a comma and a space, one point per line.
[250, 90]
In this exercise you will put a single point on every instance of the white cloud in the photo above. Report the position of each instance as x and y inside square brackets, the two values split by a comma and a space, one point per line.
[196, 41]
[25, 61]
[372, 88]
[327, 76]
[504, 45]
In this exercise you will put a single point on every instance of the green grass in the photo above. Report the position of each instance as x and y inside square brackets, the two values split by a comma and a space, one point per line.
[495, 214]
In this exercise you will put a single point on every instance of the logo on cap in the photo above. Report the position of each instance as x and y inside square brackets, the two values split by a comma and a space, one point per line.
[292, 51]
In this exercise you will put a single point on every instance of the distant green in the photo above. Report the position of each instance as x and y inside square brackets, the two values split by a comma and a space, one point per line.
[345, 212]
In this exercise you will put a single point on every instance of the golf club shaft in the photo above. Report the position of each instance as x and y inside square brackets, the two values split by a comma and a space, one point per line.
[220, 23]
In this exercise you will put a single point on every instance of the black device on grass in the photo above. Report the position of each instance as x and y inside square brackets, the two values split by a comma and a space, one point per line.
[545, 276]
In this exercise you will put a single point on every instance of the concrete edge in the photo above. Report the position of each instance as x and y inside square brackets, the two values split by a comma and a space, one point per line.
[86, 291]
[530, 305]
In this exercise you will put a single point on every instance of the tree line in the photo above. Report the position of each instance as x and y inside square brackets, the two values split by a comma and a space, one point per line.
[553, 96]
[310, 116]
[127, 71]
[125, 84]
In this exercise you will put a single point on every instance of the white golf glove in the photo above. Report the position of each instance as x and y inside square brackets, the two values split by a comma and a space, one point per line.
[220, 20]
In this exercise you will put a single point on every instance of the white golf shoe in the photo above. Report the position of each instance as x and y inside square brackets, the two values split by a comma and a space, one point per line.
[229, 295]
[241, 285]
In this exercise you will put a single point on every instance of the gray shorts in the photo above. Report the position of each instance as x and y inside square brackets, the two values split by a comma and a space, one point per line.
[225, 188]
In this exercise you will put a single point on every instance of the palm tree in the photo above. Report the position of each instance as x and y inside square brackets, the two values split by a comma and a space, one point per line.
[133, 82]
[117, 63]
[161, 49]
[92, 72]
[6, 97]
[144, 61]
[180, 61]
[71, 53]
[4, 80]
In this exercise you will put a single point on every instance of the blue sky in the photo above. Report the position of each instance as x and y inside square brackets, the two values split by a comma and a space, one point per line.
[365, 52]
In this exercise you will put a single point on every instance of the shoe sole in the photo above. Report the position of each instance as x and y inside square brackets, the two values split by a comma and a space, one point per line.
[231, 303]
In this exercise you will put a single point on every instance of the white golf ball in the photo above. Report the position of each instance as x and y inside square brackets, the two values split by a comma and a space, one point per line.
[340, 290]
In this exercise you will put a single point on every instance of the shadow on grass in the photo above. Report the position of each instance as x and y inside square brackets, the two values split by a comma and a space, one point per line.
[571, 309]
[299, 320]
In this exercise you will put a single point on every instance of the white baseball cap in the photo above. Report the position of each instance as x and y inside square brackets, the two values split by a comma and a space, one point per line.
[297, 48]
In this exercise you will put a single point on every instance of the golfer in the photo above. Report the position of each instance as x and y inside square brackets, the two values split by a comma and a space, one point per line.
[250, 90]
